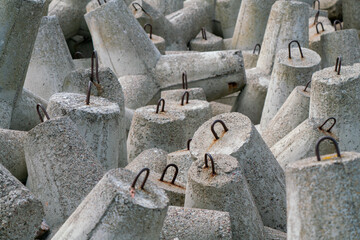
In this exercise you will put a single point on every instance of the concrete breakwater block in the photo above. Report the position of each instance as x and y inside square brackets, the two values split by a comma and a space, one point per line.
[206, 42]
[219, 108]
[315, 33]
[153, 159]
[226, 12]
[351, 14]
[234, 134]
[193, 223]
[220, 177]
[177, 94]
[183, 160]
[21, 213]
[61, 167]
[323, 197]
[118, 208]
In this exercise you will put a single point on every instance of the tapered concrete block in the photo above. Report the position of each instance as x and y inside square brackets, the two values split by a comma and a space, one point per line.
[219, 108]
[351, 14]
[250, 58]
[206, 42]
[193, 223]
[262, 171]
[153, 158]
[24, 116]
[50, 61]
[333, 7]
[15, 16]
[287, 74]
[98, 123]
[292, 113]
[323, 197]
[251, 23]
[62, 168]
[12, 156]
[349, 49]
[183, 160]
[167, 6]
[113, 209]
[226, 12]
[162, 130]
[315, 32]
[159, 43]
[176, 94]
[208, 185]
[273, 234]
[21, 213]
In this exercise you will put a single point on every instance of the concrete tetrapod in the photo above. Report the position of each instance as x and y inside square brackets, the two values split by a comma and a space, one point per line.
[351, 14]
[15, 53]
[50, 61]
[117, 209]
[292, 113]
[206, 42]
[223, 187]
[98, 122]
[315, 33]
[192, 223]
[226, 12]
[153, 159]
[61, 167]
[155, 128]
[322, 196]
[12, 156]
[291, 69]
[21, 213]
[235, 135]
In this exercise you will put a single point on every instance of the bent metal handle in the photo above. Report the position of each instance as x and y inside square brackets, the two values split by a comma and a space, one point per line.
[186, 94]
[208, 156]
[137, 177]
[161, 100]
[175, 175]
[317, 150]
[297, 42]
[334, 122]
[213, 130]
[40, 107]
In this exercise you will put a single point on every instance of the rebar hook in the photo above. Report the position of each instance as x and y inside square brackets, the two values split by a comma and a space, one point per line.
[158, 105]
[148, 25]
[186, 93]
[184, 80]
[317, 30]
[335, 23]
[137, 177]
[317, 151]
[297, 42]
[329, 130]
[203, 32]
[38, 107]
[257, 46]
[307, 85]
[207, 155]
[94, 56]
[338, 65]
[213, 130]
[175, 175]
[188, 144]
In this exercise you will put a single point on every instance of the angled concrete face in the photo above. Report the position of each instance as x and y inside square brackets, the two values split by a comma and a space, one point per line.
[251, 23]
[112, 211]
[219, 108]
[292, 113]
[50, 62]
[61, 167]
[322, 198]
[167, 6]
[12, 156]
[206, 191]
[209, 224]
[250, 59]
[351, 14]
[226, 12]
[118, 47]
[153, 158]
[265, 177]
[21, 213]
[315, 37]
[212, 43]
[183, 160]
[15, 16]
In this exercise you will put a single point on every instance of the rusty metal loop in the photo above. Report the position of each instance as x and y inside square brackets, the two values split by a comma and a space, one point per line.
[203, 32]
[175, 175]
[213, 130]
[137, 177]
[207, 155]
[188, 144]
[314, 4]
[94, 56]
[338, 65]
[316, 18]
[78, 55]
[184, 80]
[257, 46]
[158, 105]
[186, 93]
[38, 107]
[88, 93]
[307, 85]
[297, 42]
[148, 25]
[140, 8]
[317, 29]
[329, 130]
[335, 23]
[317, 151]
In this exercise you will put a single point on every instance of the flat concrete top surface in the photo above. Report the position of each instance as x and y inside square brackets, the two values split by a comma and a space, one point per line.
[210, 39]
[156, 39]
[149, 113]
[310, 58]
[330, 77]
[300, 90]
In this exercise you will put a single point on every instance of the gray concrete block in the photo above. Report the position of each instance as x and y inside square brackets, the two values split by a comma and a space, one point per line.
[219, 108]
[226, 190]
[183, 160]
[15, 16]
[50, 61]
[153, 158]
[226, 12]
[250, 58]
[265, 177]
[196, 224]
[21, 213]
[351, 14]
[315, 43]
[176, 94]
[115, 210]
[322, 197]
[211, 43]
[273, 234]
[167, 6]
[61, 167]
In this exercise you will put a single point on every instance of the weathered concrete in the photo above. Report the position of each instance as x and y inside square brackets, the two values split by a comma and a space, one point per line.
[20, 212]
[250, 59]
[61, 167]
[192, 223]
[219, 108]
[333, 7]
[167, 6]
[211, 43]
[315, 43]
[251, 23]
[153, 158]
[349, 49]
[176, 94]
[226, 12]
[12, 156]
[206, 190]
[183, 160]
[264, 174]
[292, 113]
[50, 61]
[286, 75]
[114, 210]
[273, 234]
[323, 197]
[162, 130]
[351, 14]
[159, 43]
[15, 53]
[98, 123]
[24, 115]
